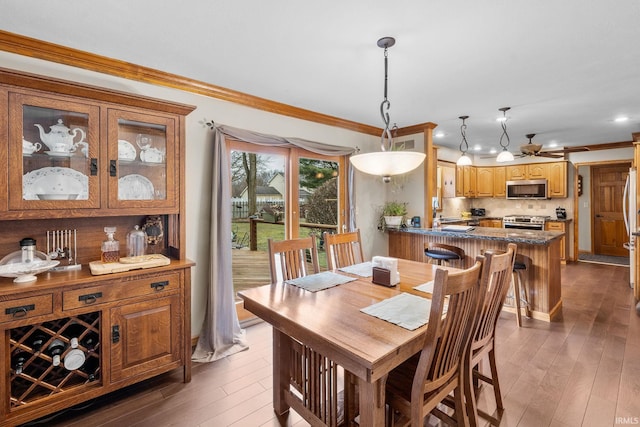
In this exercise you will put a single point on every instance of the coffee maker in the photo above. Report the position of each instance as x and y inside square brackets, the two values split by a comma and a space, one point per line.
[561, 213]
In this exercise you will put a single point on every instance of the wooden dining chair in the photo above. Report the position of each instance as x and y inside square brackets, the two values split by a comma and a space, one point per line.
[416, 387]
[496, 278]
[290, 259]
[343, 249]
[313, 376]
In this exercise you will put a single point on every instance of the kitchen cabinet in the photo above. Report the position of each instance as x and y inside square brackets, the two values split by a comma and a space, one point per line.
[554, 172]
[448, 181]
[491, 222]
[563, 226]
[466, 181]
[485, 181]
[499, 181]
[557, 179]
[527, 171]
[86, 158]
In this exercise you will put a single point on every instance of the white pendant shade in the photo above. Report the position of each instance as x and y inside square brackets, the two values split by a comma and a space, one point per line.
[504, 156]
[387, 163]
[464, 160]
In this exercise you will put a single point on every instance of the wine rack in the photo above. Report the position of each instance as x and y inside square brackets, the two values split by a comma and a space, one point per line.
[33, 374]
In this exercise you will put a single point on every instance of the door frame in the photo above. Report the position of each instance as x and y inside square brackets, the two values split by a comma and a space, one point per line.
[576, 202]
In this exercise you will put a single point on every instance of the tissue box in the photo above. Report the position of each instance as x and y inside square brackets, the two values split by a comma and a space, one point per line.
[390, 264]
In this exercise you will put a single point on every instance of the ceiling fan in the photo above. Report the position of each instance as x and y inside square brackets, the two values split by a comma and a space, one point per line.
[531, 149]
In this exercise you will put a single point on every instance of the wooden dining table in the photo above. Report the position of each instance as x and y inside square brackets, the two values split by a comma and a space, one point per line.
[330, 322]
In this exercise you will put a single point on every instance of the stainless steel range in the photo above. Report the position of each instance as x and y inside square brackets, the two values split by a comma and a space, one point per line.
[524, 222]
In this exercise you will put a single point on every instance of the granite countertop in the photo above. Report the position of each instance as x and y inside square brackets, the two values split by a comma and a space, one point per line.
[532, 237]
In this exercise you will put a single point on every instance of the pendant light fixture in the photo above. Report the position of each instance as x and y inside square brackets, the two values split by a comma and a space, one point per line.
[505, 155]
[387, 162]
[464, 160]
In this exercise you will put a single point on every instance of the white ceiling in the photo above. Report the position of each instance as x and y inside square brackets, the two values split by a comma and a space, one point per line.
[566, 68]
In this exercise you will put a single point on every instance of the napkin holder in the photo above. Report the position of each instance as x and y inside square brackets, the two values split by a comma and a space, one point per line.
[385, 271]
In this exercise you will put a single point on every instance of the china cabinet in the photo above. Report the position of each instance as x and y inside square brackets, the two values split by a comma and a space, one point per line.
[83, 158]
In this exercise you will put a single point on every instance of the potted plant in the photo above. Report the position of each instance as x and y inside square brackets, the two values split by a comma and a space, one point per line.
[393, 214]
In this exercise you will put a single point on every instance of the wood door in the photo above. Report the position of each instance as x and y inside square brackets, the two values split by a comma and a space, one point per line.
[608, 229]
[484, 181]
[500, 181]
[537, 171]
[145, 337]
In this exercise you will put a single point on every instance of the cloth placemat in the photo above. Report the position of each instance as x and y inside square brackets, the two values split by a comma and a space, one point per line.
[405, 310]
[318, 282]
[364, 269]
[425, 287]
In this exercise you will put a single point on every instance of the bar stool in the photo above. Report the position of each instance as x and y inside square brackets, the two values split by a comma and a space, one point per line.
[444, 253]
[521, 266]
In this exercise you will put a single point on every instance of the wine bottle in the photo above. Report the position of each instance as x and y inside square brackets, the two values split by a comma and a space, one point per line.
[37, 341]
[55, 350]
[73, 333]
[75, 358]
[90, 341]
[90, 367]
[18, 360]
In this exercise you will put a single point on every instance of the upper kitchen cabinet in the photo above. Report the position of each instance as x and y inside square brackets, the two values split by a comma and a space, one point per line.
[499, 181]
[484, 181]
[557, 177]
[466, 183]
[527, 171]
[79, 150]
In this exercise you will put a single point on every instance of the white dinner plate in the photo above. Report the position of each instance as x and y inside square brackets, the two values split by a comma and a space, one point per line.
[56, 182]
[135, 187]
[126, 151]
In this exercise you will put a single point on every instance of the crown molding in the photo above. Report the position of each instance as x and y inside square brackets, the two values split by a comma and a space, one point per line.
[27, 46]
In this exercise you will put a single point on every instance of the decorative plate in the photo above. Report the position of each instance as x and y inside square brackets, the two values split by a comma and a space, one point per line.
[135, 187]
[25, 272]
[55, 182]
[126, 151]
[60, 153]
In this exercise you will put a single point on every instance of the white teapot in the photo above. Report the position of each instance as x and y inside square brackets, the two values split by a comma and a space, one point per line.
[61, 138]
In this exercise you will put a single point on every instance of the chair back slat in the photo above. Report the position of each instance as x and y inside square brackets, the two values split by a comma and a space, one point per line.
[497, 278]
[448, 331]
[290, 259]
[343, 249]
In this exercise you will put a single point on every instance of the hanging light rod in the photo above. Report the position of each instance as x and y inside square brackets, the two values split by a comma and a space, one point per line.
[387, 162]
[505, 155]
[464, 160]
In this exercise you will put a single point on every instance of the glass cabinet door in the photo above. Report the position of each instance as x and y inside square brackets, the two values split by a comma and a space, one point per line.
[53, 143]
[141, 160]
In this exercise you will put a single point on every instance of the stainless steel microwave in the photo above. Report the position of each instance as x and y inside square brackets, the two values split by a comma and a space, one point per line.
[527, 189]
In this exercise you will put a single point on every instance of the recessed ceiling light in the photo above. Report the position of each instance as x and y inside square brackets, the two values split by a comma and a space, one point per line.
[477, 147]
[621, 119]
[493, 151]
[553, 144]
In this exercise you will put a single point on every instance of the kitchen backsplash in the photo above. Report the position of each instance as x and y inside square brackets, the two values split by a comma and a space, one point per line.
[501, 207]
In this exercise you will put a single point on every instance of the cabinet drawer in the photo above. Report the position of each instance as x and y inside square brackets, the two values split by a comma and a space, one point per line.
[555, 226]
[24, 308]
[107, 293]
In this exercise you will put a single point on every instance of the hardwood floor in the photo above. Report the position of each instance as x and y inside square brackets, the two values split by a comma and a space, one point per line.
[582, 370]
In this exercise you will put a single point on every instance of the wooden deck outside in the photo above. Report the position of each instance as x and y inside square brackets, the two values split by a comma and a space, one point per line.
[250, 269]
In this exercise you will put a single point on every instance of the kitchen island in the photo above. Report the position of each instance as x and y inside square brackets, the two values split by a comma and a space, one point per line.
[543, 247]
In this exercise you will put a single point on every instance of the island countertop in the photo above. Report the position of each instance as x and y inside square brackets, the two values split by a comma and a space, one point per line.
[509, 235]
[542, 281]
